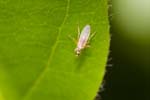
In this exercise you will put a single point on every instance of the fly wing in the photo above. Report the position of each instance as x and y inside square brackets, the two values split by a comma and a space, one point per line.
[84, 36]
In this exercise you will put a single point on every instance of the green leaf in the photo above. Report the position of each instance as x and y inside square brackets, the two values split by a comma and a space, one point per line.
[37, 59]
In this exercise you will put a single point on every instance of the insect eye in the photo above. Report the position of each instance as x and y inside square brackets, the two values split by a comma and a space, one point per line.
[78, 53]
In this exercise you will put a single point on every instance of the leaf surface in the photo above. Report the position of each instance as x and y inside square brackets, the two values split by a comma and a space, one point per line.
[37, 59]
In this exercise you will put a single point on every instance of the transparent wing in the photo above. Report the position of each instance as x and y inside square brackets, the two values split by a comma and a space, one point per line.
[84, 36]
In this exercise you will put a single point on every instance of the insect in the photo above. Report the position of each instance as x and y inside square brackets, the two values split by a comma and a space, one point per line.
[83, 39]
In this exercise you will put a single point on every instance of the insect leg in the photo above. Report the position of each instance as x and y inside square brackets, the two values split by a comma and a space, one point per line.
[73, 39]
[87, 46]
[91, 36]
[78, 31]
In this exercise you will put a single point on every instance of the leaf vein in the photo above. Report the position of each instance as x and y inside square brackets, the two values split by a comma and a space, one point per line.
[41, 76]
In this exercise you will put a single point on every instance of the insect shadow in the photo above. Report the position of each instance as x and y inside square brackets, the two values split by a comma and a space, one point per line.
[81, 60]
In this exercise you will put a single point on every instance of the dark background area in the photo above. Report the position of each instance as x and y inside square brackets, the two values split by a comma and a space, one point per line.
[129, 76]
[127, 79]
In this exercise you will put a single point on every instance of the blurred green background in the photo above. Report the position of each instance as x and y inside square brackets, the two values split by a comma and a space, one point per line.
[129, 78]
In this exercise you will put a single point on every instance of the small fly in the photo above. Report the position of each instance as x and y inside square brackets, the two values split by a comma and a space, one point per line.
[83, 39]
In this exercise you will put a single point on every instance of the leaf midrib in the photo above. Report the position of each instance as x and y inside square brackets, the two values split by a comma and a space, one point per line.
[41, 76]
